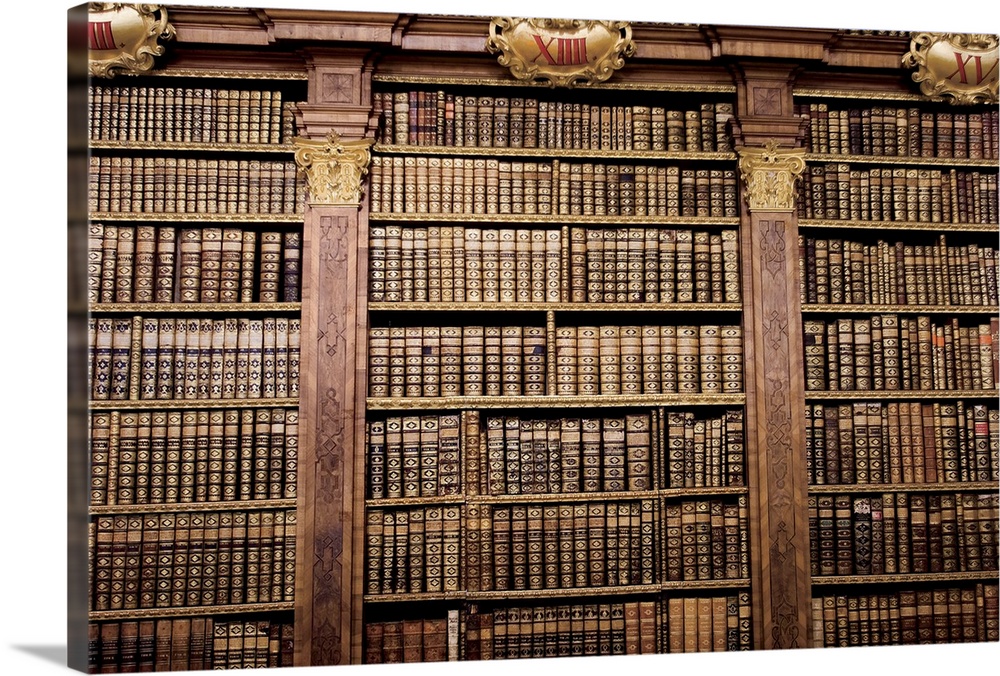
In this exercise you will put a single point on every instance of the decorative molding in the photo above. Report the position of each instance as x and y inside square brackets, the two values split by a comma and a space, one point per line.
[123, 37]
[560, 52]
[961, 68]
[770, 173]
[334, 168]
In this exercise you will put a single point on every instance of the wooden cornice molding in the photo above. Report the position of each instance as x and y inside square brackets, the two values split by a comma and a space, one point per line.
[221, 25]
[760, 42]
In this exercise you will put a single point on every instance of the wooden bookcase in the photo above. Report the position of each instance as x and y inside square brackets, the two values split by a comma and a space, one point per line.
[380, 447]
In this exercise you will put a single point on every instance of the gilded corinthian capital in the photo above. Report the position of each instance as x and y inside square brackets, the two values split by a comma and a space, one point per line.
[770, 173]
[334, 168]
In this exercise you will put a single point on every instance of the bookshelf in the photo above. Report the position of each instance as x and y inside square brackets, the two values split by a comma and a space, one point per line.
[900, 334]
[699, 358]
[193, 290]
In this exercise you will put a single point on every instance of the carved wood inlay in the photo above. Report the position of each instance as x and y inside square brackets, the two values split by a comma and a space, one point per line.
[338, 88]
[766, 101]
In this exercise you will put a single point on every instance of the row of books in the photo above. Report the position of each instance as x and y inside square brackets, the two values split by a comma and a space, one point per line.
[902, 442]
[208, 455]
[444, 119]
[189, 643]
[568, 455]
[413, 550]
[893, 352]
[191, 559]
[834, 270]
[422, 184]
[661, 625]
[431, 361]
[189, 115]
[429, 639]
[414, 456]
[837, 191]
[570, 545]
[164, 264]
[898, 131]
[937, 615]
[902, 533]
[705, 539]
[193, 185]
[463, 263]
[194, 358]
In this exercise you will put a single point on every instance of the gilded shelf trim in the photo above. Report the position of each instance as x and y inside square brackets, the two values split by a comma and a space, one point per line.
[558, 307]
[621, 590]
[187, 217]
[734, 583]
[665, 221]
[907, 309]
[562, 497]
[145, 308]
[899, 159]
[702, 490]
[902, 394]
[497, 82]
[417, 596]
[897, 225]
[190, 611]
[200, 147]
[858, 94]
[221, 506]
[230, 74]
[407, 502]
[960, 487]
[132, 404]
[545, 401]
[903, 578]
[552, 152]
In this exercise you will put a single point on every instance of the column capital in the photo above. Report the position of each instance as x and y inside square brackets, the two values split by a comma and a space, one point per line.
[334, 168]
[770, 172]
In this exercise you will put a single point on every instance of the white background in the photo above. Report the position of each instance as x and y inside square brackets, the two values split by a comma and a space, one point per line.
[32, 290]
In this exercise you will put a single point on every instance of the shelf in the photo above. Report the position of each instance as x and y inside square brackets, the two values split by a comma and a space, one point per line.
[901, 160]
[860, 94]
[554, 219]
[558, 497]
[171, 217]
[489, 151]
[905, 488]
[903, 578]
[130, 404]
[546, 401]
[837, 308]
[897, 225]
[508, 82]
[221, 506]
[185, 611]
[200, 147]
[622, 590]
[230, 74]
[148, 308]
[558, 307]
[813, 395]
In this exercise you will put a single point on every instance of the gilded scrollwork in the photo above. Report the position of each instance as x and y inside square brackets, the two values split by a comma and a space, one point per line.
[334, 168]
[958, 67]
[560, 52]
[124, 37]
[770, 173]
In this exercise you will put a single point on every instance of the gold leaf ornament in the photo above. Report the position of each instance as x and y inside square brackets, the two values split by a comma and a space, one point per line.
[962, 68]
[125, 37]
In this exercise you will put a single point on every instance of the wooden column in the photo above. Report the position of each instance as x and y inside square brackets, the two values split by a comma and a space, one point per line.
[330, 555]
[766, 134]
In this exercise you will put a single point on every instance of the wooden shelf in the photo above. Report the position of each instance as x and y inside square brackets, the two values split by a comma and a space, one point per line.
[837, 308]
[546, 306]
[220, 506]
[700, 491]
[130, 404]
[414, 502]
[903, 578]
[813, 395]
[897, 225]
[149, 308]
[199, 147]
[487, 151]
[545, 401]
[171, 217]
[961, 487]
[554, 219]
[901, 160]
[508, 82]
[191, 611]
